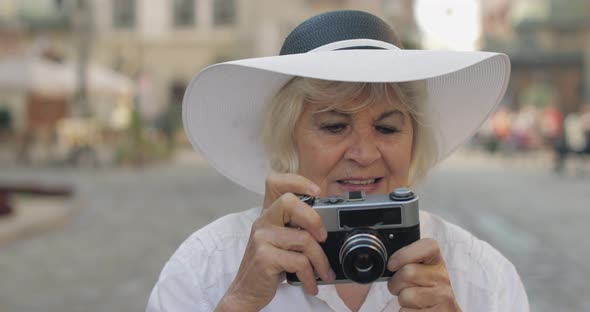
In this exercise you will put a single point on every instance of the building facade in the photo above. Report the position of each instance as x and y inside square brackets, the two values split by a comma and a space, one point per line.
[162, 44]
[548, 43]
[165, 43]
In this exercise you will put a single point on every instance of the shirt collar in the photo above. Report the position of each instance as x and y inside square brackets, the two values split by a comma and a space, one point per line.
[377, 299]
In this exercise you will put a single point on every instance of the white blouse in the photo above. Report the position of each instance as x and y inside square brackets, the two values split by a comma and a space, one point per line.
[202, 269]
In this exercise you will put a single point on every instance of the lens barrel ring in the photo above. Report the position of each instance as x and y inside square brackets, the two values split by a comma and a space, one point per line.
[366, 245]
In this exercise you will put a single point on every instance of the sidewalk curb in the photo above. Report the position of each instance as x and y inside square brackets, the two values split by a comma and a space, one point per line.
[33, 216]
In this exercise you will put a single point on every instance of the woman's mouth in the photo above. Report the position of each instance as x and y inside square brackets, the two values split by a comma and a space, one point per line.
[358, 182]
[367, 185]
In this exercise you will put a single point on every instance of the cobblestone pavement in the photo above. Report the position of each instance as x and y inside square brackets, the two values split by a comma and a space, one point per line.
[130, 221]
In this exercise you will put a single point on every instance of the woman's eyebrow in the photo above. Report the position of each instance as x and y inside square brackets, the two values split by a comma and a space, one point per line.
[394, 112]
[333, 112]
[348, 115]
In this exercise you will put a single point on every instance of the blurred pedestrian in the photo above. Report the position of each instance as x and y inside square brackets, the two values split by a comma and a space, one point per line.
[502, 123]
[524, 134]
[585, 125]
[552, 125]
[574, 133]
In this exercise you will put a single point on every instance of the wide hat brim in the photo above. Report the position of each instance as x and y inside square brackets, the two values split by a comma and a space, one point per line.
[224, 105]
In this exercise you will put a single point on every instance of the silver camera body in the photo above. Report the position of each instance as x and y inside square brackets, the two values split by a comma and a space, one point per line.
[364, 231]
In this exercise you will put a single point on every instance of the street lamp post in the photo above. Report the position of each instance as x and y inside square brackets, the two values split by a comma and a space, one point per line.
[82, 21]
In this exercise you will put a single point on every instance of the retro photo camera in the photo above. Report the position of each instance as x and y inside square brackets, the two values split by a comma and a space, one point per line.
[364, 231]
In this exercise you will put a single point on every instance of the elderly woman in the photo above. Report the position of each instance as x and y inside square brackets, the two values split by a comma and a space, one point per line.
[341, 109]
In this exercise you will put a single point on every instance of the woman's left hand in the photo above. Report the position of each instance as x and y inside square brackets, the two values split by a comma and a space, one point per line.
[421, 282]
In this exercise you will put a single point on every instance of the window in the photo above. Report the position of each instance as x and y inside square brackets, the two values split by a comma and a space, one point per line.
[184, 13]
[123, 13]
[224, 12]
[59, 4]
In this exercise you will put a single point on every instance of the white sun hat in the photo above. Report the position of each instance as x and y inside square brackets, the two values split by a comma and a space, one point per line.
[224, 105]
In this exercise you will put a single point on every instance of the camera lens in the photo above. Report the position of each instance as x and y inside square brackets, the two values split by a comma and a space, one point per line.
[363, 262]
[363, 257]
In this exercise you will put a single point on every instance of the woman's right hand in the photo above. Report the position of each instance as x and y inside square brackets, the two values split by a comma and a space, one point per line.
[273, 248]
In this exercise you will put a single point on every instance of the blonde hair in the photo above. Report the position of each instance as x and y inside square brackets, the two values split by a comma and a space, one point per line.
[287, 106]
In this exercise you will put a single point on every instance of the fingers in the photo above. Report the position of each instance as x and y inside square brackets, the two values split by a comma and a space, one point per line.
[282, 207]
[427, 299]
[294, 262]
[419, 264]
[420, 286]
[418, 297]
[413, 275]
[279, 183]
[301, 241]
[421, 281]
[289, 209]
[425, 251]
[288, 249]
[274, 249]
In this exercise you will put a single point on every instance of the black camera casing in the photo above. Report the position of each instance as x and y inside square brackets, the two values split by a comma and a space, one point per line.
[370, 228]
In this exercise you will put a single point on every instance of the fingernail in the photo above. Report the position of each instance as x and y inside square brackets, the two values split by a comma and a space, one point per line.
[332, 275]
[315, 291]
[314, 189]
[323, 235]
[393, 264]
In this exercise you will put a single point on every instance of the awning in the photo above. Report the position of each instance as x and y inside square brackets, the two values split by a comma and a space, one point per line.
[44, 76]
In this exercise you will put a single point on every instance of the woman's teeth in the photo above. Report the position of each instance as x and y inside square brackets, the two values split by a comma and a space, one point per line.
[358, 182]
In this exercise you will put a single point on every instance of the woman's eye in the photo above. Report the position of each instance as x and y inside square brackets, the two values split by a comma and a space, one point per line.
[334, 128]
[386, 129]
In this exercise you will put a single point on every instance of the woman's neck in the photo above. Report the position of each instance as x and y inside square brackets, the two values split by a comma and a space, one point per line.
[353, 295]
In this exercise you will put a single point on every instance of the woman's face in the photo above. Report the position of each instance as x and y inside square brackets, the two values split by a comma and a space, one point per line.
[369, 150]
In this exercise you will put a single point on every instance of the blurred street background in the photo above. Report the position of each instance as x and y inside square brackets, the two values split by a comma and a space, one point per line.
[99, 185]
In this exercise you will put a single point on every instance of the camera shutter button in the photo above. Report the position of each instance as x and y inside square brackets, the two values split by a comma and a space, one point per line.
[401, 194]
[333, 200]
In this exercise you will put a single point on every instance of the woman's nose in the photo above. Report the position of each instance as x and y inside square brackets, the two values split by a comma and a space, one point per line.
[363, 149]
